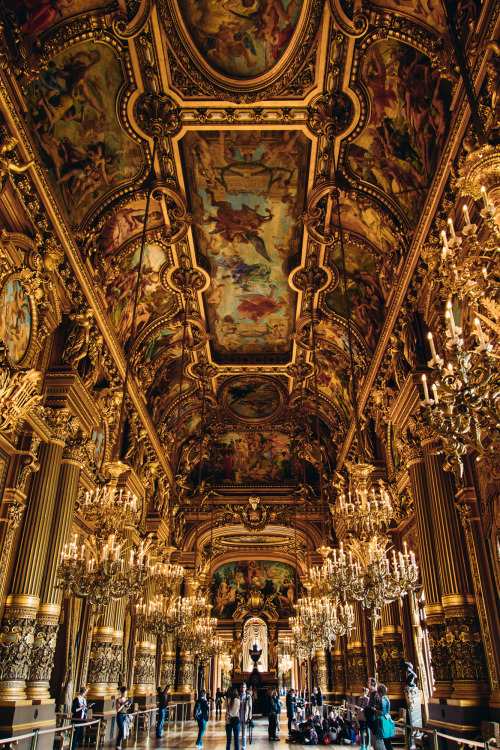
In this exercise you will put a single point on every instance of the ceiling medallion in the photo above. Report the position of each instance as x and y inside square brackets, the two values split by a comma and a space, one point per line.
[157, 115]
[331, 114]
[252, 399]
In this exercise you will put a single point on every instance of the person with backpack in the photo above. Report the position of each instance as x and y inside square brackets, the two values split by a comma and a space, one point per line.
[162, 699]
[364, 730]
[201, 712]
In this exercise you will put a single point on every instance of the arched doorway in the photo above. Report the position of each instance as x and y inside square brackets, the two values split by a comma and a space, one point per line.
[255, 631]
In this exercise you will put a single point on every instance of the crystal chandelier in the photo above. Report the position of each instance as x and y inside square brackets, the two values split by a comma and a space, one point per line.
[97, 571]
[364, 511]
[318, 621]
[165, 578]
[368, 576]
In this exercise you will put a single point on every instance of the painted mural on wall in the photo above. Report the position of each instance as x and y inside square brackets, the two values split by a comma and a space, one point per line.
[361, 217]
[366, 299]
[233, 581]
[36, 16]
[253, 457]
[15, 320]
[334, 334]
[121, 280]
[247, 191]
[163, 390]
[241, 38]
[400, 147]
[73, 104]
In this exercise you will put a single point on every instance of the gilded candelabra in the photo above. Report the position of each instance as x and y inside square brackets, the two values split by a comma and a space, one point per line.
[97, 570]
[465, 405]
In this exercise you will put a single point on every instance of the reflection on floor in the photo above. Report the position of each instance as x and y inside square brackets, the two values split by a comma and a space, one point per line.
[183, 735]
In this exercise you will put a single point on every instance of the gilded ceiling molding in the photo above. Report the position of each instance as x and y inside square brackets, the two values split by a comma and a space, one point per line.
[192, 76]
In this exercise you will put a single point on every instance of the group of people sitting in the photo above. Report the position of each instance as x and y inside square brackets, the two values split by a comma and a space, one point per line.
[372, 723]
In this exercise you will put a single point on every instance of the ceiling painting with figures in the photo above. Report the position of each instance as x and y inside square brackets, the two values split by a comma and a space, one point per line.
[247, 196]
[245, 248]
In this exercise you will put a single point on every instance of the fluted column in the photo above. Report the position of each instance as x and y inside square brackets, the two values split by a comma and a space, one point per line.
[356, 653]
[390, 656]
[47, 622]
[338, 670]
[22, 603]
[426, 531]
[461, 638]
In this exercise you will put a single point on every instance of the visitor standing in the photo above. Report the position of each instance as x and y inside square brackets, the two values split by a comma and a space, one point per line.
[272, 713]
[162, 700]
[79, 716]
[290, 708]
[218, 703]
[233, 717]
[319, 702]
[246, 712]
[122, 706]
[385, 724]
[362, 704]
[201, 711]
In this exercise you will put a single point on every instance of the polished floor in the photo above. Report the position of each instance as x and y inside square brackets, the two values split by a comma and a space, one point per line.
[183, 735]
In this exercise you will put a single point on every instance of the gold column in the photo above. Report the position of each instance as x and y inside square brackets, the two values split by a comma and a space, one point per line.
[320, 670]
[18, 627]
[338, 670]
[102, 662]
[428, 563]
[167, 675]
[145, 665]
[390, 655]
[47, 622]
[185, 674]
[460, 638]
[356, 653]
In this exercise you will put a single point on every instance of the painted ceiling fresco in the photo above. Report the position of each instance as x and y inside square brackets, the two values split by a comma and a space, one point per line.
[247, 193]
[73, 106]
[240, 149]
[154, 300]
[36, 16]
[253, 457]
[366, 299]
[232, 582]
[408, 124]
[241, 38]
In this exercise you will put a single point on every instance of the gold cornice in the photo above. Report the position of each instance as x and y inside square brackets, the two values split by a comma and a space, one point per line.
[66, 389]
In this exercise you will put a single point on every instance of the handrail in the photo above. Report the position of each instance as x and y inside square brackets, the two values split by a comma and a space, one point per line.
[37, 732]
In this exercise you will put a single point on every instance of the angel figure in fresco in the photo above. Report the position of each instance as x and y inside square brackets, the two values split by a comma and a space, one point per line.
[64, 89]
[230, 41]
[384, 96]
[239, 224]
[125, 222]
[41, 14]
[257, 306]
[267, 24]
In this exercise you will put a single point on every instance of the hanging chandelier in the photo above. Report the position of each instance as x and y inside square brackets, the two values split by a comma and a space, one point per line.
[100, 571]
[364, 511]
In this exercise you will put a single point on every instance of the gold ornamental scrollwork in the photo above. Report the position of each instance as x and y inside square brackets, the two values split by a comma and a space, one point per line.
[157, 115]
[331, 114]
[176, 216]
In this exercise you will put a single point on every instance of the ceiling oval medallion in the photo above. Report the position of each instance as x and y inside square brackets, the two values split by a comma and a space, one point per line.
[252, 399]
[242, 45]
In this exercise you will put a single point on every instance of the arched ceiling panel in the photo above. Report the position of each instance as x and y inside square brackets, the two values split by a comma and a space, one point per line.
[73, 105]
[408, 123]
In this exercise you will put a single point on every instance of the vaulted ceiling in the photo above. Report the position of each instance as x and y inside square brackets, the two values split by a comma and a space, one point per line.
[256, 105]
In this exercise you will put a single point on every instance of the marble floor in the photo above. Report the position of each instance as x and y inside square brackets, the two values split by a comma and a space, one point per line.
[183, 735]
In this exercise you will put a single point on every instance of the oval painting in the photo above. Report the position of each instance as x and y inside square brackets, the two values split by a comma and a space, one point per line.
[241, 38]
[16, 320]
[252, 399]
